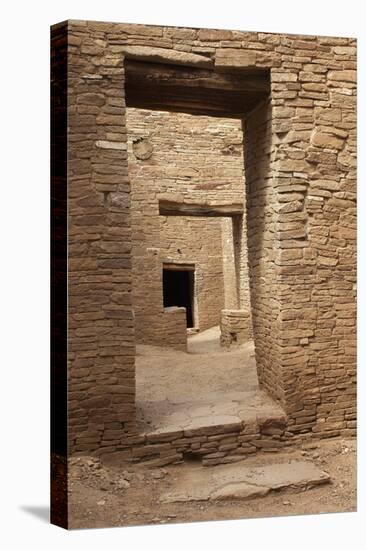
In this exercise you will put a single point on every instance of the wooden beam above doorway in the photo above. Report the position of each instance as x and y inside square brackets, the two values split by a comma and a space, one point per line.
[194, 90]
[173, 208]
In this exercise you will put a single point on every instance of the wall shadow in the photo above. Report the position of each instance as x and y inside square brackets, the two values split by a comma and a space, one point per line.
[40, 512]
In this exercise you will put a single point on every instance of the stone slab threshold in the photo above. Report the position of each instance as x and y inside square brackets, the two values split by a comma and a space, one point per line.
[213, 431]
[230, 482]
[208, 416]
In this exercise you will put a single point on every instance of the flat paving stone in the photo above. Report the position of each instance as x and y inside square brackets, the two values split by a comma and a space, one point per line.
[161, 417]
[233, 481]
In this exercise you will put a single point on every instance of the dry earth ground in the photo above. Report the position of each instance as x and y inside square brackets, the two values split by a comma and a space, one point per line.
[130, 494]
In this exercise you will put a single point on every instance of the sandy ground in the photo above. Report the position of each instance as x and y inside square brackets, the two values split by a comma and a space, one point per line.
[102, 495]
[206, 370]
[175, 389]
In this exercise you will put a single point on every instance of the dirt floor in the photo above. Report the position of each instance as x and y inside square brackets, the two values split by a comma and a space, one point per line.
[208, 384]
[103, 496]
[206, 370]
[205, 381]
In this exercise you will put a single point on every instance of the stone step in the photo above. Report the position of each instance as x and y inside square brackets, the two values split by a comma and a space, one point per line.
[207, 417]
[235, 482]
[169, 429]
[215, 432]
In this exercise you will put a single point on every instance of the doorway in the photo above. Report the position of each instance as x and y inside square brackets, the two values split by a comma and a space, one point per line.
[178, 290]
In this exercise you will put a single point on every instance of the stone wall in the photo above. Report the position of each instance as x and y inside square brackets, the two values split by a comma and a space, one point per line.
[198, 241]
[197, 158]
[315, 235]
[262, 206]
[229, 251]
[302, 248]
[235, 327]
[174, 328]
[58, 379]
[101, 348]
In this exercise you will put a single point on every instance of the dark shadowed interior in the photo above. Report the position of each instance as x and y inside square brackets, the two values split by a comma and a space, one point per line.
[178, 291]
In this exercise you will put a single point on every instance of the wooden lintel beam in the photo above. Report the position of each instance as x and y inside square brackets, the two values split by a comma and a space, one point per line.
[160, 75]
[193, 90]
[172, 208]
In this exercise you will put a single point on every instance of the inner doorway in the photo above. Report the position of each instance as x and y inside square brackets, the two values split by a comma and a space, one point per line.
[178, 289]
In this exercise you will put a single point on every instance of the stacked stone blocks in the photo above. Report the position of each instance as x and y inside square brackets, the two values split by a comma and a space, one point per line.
[300, 171]
[222, 443]
[235, 327]
[192, 160]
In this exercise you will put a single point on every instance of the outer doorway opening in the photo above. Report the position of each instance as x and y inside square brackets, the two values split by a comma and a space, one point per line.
[199, 145]
[178, 290]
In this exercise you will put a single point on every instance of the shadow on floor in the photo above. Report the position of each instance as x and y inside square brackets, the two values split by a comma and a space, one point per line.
[40, 512]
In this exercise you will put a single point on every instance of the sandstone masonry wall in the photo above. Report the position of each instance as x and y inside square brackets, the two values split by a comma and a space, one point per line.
[101, 348]
[235, 327]
[302, 262]
[229, 251]
[59, 374]
[195, 157]
[197, 240]
[262, 203]
[174, 328]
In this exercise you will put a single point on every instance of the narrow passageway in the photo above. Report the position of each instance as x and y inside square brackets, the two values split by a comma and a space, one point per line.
[206, 386]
